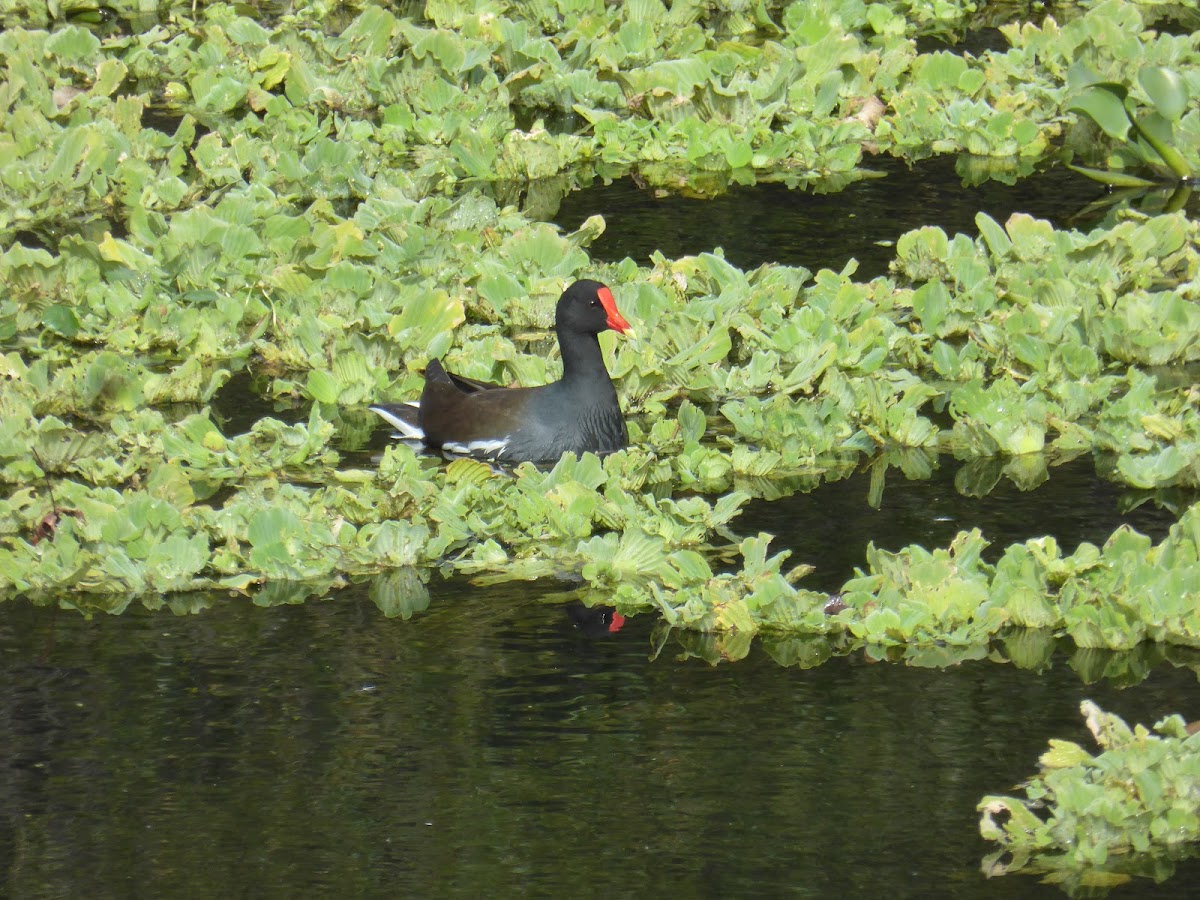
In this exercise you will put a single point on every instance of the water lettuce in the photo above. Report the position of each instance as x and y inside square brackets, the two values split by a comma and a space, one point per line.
[316, 205]
[1092, 819]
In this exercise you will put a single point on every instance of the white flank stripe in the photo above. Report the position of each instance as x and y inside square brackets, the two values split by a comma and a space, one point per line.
[492, 447]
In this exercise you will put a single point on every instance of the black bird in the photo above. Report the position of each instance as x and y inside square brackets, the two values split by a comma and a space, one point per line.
[576, 414]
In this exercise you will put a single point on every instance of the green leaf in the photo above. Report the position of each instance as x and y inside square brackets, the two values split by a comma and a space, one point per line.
[931, 302]
[692, 422]
[217, 93]
[941, 71]
[425, 316]
[993, 234]
[322, 386]
[268, 526]
[109, 75]
[1113, 178]
[1166, 90]
[61, 319]
[168, 481]
[1158, 133]
[72, 43]
[124, 253]
[1104, 104]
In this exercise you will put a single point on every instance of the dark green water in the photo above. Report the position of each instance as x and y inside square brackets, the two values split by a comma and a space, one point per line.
[769, 223]
[490, 748]
[830, 527]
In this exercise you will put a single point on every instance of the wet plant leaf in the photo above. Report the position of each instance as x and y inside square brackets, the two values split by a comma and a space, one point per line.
[1104, 104]
[1166, 90]
[1085, 811]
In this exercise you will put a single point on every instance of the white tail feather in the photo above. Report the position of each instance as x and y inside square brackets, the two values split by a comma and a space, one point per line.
[405, 430]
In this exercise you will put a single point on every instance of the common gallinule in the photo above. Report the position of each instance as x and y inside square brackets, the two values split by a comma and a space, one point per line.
[576, 414]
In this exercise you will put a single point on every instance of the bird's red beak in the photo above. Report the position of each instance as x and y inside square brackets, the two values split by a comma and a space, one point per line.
[616, 321]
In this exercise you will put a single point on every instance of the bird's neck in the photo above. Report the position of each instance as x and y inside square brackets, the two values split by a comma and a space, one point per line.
[583, 363]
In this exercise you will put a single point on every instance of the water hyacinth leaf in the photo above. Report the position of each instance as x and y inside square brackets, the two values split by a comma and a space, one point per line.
[1113, 178]
[172, 563]
[1153, 470]
[1032, 239]
[1166, 90]
[994, 235]
[637, 555]
[941, 70]
[1104, 104]
[1158, 132]
[733, 615]
[355, 376]
[691, 566]
[272, 526]
[243, 30]
[169, 481]
[931, 302]
[109, 75]
[238, 241]
[499, 287]
[738, 153]
[679, 77]
[468, 471]
[397, 543]
[476, 154]
[125, 254]
[1027, 438]
[711, 349]
[111, 381]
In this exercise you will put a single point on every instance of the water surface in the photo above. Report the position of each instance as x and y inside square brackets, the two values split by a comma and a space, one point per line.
[831, 526]
[768, 223]
[490, 748]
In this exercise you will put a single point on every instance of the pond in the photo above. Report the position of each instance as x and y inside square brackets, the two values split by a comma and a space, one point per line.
[493, 747]
[506, 742]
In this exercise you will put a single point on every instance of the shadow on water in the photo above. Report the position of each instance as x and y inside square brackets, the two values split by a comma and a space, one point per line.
[492, 748]
[770, 223]
[831, 526]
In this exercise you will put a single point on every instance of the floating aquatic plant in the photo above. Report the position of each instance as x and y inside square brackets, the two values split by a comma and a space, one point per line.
[314, 200]
[1158, 138]
[1086, 817]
